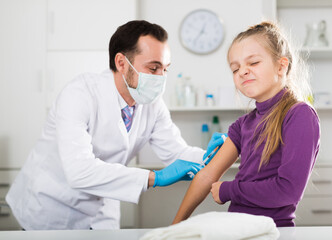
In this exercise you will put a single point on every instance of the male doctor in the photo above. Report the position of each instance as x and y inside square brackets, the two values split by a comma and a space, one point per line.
[76, 175]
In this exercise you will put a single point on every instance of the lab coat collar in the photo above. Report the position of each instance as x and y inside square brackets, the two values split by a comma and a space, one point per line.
[122, 102]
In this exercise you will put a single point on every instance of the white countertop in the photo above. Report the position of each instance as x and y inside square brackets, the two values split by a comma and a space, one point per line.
[296, 233]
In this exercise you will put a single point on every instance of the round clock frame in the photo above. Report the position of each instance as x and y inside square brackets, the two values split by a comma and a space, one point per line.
[201, 31]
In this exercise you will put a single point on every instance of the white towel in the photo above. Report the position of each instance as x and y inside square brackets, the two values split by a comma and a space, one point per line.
[218, 225]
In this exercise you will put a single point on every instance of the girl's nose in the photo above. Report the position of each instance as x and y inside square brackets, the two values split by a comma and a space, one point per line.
[244, 71]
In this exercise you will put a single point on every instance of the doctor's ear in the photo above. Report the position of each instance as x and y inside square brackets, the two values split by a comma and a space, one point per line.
[283, 66]
[120, 62]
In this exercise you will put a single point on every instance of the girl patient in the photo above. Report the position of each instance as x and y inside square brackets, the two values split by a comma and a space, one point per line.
[277, 142]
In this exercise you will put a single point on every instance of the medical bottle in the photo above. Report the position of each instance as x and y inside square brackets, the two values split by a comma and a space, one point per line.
[179, 91]
[205, 136]
[189, 93]
[215, 126]
[209, 100]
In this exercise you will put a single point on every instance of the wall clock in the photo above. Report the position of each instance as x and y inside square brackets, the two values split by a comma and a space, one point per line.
[201, 31]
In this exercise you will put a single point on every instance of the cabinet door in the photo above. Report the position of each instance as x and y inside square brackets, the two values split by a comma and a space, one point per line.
[22, 58]
[86, 24]
[7, 219]
[320, 182]
[314, 211]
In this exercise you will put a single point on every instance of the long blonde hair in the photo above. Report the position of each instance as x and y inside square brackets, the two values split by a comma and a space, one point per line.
[297, 85]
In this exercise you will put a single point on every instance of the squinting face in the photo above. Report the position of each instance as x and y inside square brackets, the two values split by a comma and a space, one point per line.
[255, 73]
[154, 58]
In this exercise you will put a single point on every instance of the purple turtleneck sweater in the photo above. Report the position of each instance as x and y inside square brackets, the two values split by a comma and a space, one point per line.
[277, 188]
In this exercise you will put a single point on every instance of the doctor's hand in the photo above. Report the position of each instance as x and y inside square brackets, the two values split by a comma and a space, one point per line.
[216, 141]
[180, 170]
[215, 192]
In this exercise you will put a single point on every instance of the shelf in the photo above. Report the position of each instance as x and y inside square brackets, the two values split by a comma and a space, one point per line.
[319, 164]
[222, 109]
[158, 166]
[205, 109]
[323, 164]
[318, 52]
[303, 3]
[323, 108]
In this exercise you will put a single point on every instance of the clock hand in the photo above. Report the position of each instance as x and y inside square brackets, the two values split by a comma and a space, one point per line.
[201, 32]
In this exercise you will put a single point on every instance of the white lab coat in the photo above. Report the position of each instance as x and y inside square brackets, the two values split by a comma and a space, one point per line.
[76, 174]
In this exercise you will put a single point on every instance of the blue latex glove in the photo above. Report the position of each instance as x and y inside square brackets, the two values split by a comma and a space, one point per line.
[216, 141]
[180, 170]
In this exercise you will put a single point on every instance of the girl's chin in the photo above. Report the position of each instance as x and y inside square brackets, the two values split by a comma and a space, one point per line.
[249, 93]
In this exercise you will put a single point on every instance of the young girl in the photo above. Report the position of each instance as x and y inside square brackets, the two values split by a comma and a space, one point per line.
[278, 141]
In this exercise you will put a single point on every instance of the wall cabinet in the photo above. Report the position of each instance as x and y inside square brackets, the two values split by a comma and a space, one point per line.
[315, 208]
[22, 62]
[44, 45]
[78, 34]
[85, 24]
[7, 219]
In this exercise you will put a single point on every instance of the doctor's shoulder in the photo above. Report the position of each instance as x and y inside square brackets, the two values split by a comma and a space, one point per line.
[79, 80]
[82, 81]
[78, 88]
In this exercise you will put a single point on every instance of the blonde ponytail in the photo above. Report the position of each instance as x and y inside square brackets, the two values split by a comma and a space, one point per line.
[271, 126]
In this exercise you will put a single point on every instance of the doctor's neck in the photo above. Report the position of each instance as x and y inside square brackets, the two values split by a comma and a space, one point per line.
[122, 89]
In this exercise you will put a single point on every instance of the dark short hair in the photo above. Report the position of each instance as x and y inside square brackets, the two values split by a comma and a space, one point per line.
[125, 39]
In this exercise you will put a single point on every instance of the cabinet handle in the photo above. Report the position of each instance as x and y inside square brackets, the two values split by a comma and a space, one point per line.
[50, 79]
[4, 185]
[321, 181]
[321, 211]
[40, 81]
[3, 214]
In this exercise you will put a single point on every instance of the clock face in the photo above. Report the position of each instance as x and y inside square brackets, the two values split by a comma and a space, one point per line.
[201, 32]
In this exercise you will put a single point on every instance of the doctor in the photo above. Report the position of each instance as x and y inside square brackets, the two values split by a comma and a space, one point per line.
[76, 175]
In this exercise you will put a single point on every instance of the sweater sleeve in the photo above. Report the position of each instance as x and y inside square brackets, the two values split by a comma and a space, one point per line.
[234, 132]
[301, 134]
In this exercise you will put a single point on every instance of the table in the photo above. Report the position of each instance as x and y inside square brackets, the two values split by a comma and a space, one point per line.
[286, 233]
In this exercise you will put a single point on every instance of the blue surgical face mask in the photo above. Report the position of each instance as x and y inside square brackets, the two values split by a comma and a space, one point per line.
[149, 87]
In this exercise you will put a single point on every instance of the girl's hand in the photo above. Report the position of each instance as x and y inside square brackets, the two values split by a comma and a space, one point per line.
[215, 192]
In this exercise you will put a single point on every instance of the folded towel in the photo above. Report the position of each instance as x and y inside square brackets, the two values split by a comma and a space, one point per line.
[218, 225]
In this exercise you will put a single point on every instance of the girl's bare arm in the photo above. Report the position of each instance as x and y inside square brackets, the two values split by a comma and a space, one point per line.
[201, 184]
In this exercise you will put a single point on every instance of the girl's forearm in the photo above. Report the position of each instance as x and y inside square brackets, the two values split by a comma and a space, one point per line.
[197, 192]
[201, 185]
